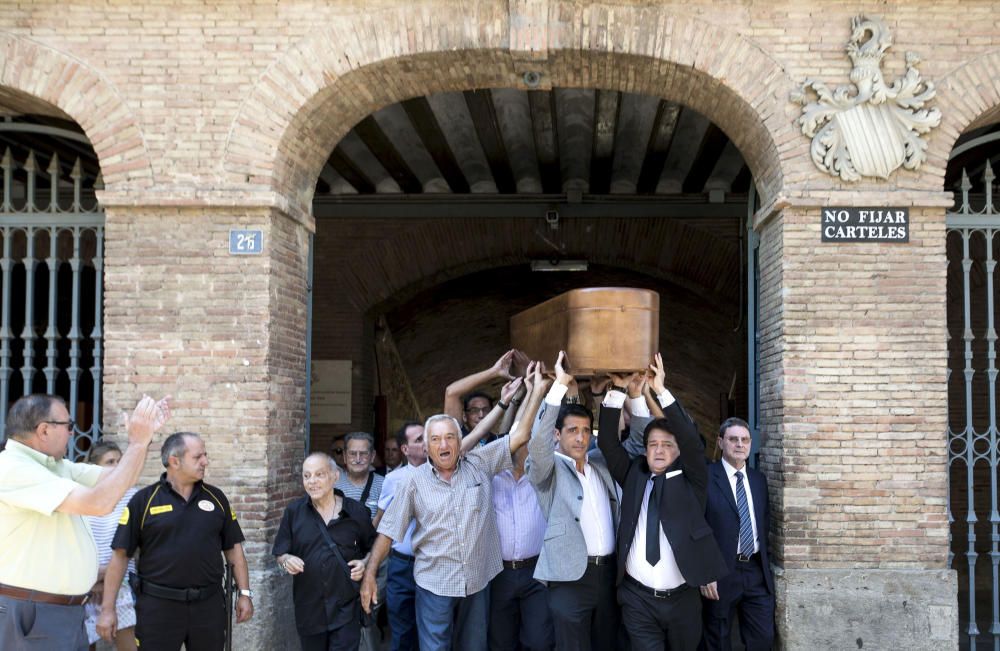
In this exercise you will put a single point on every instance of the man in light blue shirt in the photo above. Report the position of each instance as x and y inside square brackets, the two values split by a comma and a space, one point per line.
[400, 586]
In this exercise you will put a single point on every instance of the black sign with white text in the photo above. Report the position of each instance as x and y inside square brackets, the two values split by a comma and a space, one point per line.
[865, 224]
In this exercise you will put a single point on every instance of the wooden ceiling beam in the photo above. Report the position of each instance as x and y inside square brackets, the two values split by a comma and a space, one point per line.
[429, 131]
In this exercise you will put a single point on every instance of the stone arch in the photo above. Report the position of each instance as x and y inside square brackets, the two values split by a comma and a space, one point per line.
[969, 97]
[308, 99]
[39, 73]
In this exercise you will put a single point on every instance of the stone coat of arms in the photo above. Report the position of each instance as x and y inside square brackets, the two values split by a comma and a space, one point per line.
[869, 129]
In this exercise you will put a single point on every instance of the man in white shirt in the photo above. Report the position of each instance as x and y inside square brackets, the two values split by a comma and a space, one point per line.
[580, 503]
[664, 544]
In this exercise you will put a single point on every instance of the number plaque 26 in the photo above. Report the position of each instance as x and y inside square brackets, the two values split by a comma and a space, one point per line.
[246, 242]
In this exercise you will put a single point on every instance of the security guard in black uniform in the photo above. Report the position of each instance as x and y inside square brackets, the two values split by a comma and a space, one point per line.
[183, 527]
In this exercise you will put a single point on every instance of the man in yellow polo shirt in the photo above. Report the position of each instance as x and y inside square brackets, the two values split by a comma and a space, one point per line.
[49, 562]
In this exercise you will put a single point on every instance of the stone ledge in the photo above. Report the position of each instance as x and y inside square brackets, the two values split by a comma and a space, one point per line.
[867, 609]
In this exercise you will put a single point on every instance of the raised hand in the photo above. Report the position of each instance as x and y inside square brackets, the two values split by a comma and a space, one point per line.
[562, 377]
[510, 389]
[147, 418]
[598, 384]
[501, 368]
[659, 375]
[631, 381]
[519, 363]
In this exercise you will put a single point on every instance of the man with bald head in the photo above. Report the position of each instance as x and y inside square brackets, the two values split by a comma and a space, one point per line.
[323, 541]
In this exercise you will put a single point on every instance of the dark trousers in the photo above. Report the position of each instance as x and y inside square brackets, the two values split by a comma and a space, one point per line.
[163, 625]
[745, 592]
[345, 638]
[34, 626]
[652, 621]
[519, 612]
[400, 596]
[584, 612]
[447, 623]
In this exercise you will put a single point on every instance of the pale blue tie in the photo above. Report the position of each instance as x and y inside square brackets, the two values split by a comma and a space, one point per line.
[746, 528]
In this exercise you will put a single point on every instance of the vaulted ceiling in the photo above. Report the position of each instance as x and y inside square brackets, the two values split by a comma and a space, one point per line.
[514, 142]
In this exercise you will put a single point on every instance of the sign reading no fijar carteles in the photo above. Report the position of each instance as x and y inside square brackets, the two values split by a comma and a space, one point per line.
[865, 224]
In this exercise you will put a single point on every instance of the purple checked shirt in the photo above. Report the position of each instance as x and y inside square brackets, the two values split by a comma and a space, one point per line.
[520, 521]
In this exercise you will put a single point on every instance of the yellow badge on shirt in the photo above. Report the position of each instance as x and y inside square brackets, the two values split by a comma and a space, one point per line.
[166, 508]
[233, 512]
[124, 518]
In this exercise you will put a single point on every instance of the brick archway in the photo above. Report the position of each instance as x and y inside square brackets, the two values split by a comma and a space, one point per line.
[306, 101]
[969, 97]
[44, 74]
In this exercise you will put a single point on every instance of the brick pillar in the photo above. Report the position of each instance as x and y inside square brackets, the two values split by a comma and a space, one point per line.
[225, 335]
[854, 414]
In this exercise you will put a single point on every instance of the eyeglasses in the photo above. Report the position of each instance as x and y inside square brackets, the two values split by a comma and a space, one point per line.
[357, 454]
[71, 424]
[478, 410]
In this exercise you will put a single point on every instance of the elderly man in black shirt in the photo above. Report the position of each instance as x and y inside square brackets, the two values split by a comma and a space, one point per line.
[323, 541]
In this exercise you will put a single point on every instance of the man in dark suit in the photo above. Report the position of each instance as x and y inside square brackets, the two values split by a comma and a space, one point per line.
[664, 545]
[739, 513]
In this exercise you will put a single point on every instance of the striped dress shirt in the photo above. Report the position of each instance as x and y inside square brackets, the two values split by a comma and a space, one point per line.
[520, 521]
[455, 541]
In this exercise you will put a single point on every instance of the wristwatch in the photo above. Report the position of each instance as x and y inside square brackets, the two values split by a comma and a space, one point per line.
[247, 593]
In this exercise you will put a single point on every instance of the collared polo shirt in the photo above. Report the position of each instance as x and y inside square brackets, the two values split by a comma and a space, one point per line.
[455, 541]
[323, 592]
[44, 549]
[181, 540]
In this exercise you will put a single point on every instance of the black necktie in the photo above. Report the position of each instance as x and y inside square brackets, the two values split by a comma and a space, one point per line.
[653, 521]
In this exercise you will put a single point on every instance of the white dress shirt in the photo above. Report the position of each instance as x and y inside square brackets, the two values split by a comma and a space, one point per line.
[731, 474]
[665, 574]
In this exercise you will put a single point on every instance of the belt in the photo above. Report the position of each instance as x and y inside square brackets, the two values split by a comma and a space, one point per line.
[743, 558]
[401, 556]
[516, 565]
[600, 560]
[659, 594]
[176, 594]
[24, 594]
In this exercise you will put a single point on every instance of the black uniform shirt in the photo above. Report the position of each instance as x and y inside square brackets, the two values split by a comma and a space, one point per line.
[323, 592]
[181, 540]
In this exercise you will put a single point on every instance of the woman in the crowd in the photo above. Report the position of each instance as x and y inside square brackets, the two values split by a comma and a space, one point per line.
[106, 453]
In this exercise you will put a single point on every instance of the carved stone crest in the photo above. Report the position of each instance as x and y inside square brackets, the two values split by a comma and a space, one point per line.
[868, 129]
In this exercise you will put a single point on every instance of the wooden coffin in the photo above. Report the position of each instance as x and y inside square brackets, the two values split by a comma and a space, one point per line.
[602, 329]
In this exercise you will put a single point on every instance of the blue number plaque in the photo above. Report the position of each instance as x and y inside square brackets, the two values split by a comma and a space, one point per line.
[245, 242]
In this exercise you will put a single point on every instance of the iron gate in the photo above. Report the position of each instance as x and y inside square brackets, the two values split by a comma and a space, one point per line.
[51, 280]
[974, 513]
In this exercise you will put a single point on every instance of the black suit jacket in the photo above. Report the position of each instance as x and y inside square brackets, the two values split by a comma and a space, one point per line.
[724, 518]
[682, 507]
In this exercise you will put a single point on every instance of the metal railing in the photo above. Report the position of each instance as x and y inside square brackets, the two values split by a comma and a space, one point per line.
[51, 284]
[972, 428]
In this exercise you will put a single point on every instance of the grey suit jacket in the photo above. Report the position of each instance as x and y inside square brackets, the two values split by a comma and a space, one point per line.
[560, 496]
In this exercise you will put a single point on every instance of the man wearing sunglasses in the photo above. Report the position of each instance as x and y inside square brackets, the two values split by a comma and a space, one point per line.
[50, 563]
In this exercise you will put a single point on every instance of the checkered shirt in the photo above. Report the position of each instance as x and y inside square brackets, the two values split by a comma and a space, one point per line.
[455, 542]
